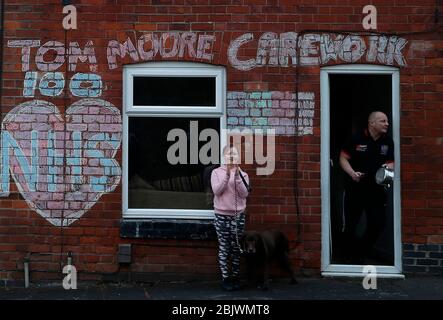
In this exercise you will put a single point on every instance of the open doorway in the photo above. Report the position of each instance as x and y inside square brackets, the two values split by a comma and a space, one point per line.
[352, 98]
[348, 95]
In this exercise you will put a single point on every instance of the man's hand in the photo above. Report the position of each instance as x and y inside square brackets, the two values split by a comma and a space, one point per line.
[346, 166]
[356, 176]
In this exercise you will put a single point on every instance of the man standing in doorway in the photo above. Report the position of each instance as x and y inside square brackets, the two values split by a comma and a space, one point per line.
[361, 156]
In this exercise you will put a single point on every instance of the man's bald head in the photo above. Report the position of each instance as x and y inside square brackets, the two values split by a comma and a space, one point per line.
[373, 116]
[378, 124]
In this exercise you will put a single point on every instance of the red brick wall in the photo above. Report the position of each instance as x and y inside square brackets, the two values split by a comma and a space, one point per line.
[94, 238]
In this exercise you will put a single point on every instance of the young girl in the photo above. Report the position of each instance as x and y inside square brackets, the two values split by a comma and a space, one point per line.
[230, 193]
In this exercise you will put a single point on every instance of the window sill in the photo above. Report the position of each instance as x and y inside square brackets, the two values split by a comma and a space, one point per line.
[179, 229]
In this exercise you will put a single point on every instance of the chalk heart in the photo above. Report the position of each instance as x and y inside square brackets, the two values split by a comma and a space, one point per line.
[62, 165]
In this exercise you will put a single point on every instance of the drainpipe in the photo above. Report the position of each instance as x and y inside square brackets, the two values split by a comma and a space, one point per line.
[2, 38]
[69, 258]
[26, 268]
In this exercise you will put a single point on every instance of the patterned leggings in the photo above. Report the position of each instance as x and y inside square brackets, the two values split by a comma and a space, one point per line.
[227, 240]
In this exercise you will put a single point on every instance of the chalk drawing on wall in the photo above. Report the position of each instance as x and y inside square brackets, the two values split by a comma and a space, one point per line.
[280, 50]
[167, 45]
[272, 110]
[61, 166]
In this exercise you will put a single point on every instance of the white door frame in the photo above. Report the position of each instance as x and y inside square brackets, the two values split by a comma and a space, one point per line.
[329, 269]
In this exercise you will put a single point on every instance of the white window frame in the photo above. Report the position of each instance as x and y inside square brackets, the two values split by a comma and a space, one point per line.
[172, 69]
[329, 269]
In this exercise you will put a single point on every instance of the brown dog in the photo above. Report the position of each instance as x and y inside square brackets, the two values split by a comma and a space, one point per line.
[260, 248]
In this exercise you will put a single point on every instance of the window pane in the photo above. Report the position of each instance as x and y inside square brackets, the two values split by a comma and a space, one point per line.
[174, 91]
[156, 183]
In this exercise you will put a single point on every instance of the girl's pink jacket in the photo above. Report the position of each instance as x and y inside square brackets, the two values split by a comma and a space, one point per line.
[224, 186]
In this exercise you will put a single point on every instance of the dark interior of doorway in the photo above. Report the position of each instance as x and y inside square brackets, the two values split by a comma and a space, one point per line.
[352, 98]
